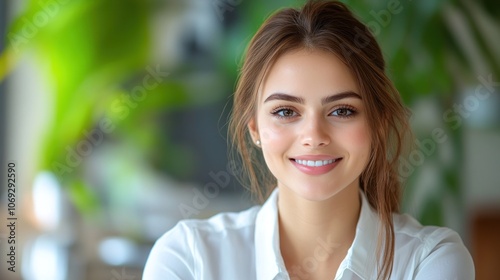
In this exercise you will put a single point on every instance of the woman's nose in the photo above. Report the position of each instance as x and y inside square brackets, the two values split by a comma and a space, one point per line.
[315, 133]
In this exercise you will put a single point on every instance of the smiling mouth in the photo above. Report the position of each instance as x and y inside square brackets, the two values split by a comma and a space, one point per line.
[315, 163]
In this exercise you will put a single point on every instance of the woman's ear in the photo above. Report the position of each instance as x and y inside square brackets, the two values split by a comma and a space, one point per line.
[252, 128]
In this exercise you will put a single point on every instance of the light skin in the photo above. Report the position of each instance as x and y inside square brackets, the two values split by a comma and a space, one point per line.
[310, 112]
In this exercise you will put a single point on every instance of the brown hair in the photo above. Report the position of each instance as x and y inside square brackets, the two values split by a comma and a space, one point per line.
[329, 26]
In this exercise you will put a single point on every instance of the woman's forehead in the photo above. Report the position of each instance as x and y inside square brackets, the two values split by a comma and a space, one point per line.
[302, 72]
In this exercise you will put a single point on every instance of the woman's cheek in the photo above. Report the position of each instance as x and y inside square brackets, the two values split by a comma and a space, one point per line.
[270, 134]
[272, 131]
[359, 139]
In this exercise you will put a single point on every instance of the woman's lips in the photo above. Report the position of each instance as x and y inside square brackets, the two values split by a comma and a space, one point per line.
[312, 166]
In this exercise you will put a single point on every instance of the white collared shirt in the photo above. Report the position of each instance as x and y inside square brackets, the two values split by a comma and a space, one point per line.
[245, 245]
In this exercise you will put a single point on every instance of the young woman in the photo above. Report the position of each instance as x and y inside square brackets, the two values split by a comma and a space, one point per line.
[319, 128]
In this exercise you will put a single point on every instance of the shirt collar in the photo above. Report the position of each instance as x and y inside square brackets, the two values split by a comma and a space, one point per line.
[267, 252]
[361, 258]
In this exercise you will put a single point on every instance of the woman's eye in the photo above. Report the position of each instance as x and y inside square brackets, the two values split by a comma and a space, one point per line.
[285, 113]
[343, 112]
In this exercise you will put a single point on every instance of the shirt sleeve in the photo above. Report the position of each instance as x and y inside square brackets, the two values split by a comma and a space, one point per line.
[448, 258]
[171, 256]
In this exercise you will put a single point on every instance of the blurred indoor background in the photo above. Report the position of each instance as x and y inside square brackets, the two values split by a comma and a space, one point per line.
[114, 113]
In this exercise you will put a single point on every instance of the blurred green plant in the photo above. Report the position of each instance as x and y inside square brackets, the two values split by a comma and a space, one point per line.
[435, 48]
[90, 52]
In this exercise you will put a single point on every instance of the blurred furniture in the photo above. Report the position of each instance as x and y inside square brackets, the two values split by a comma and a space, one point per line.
[486, 244]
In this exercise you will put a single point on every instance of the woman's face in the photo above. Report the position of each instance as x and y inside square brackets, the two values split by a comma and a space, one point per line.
[311, 122]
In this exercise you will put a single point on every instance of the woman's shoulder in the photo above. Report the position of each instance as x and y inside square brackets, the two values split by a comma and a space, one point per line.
[197, 246]
[430, 249]
[409, 229]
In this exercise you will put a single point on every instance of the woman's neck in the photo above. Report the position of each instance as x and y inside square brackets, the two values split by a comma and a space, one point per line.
[317, 234]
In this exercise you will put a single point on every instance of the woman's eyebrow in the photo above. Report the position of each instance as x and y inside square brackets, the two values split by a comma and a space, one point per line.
[340, 95]
[300, 100]
[285, 97]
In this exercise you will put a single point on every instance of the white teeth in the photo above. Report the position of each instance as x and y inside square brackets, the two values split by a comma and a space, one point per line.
[314, 162]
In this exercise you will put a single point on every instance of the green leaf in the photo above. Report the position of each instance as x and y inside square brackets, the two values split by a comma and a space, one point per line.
[432, 213]
[84, 198]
